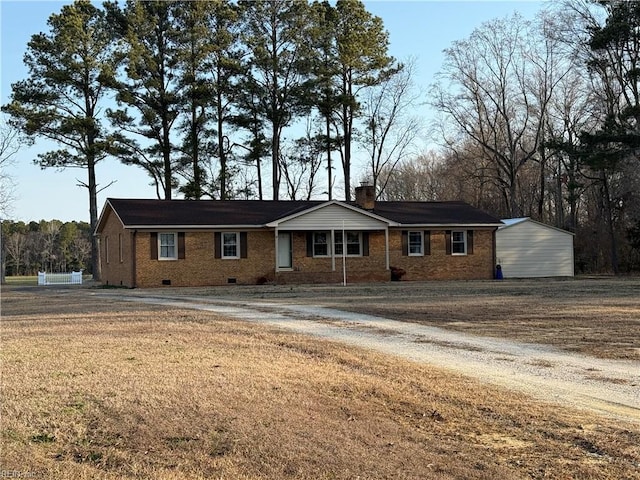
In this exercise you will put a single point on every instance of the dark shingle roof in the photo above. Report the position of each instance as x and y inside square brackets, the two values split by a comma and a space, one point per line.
[140, 212]
[206, 213]
[433, 213]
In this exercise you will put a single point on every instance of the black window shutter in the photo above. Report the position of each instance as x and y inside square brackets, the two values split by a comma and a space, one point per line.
[405, 243]
[309, 244]
[243, 244]
[470, 242]
[427, 242]
[153, 238]
[447, 241]
[217, 241]
[181, 254]
[365, 244]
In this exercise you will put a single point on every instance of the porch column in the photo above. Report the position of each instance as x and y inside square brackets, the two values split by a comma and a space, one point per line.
[333, 253]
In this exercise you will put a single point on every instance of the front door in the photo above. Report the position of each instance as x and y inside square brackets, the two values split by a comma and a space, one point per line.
[284, 250]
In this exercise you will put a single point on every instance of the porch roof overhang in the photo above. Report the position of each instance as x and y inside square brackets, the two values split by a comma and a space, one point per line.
[332, 217]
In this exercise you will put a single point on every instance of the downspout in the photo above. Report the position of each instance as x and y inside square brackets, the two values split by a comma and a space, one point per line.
[495, 260]
[134, 282]
[386, 245]
[98, 244]
[275, 240]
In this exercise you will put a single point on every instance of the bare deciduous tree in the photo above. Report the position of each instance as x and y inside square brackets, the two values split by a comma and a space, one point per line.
[485, 94]
[300, 164]
[9, 145]
[390, 128]
[416, 178]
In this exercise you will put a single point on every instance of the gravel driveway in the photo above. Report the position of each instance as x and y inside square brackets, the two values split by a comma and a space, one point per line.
[610, 387]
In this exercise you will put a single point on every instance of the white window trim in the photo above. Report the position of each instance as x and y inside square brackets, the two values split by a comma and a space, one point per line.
[175, 246]
[464, 242]
[421, 252]
[222, 254]
[346, 244]
[329, 249]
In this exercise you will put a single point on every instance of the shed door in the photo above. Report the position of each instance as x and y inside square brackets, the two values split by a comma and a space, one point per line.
[284, 250]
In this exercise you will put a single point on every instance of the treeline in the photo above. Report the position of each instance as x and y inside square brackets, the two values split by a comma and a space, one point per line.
[541, 118]
[45, 246]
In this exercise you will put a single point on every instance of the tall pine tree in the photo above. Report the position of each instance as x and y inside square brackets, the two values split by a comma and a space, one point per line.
[150, 86]
[615, 66]
[362, 48]
[61, 97]
[276, 35]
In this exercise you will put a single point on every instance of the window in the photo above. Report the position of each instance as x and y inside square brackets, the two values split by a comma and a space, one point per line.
[320, 244]
[120, 251]
[230, 244]
[354, 243]
[167, 246]
[458, 243]
[416, 244]
[106, 249]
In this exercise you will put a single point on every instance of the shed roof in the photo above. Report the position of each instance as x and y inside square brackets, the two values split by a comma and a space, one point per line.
[509, 222]
[146, 213]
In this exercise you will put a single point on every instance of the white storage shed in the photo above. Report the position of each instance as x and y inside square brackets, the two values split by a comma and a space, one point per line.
[526, 248]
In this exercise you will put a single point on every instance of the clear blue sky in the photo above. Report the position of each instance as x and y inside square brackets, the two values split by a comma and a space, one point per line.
[421, 29]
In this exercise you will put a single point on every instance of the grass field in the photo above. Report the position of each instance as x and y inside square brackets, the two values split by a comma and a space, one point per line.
[97, 389]
[22, 280]
[30, 280]
[594, 316]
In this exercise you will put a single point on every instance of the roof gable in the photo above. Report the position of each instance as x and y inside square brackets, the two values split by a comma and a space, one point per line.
[329, 215]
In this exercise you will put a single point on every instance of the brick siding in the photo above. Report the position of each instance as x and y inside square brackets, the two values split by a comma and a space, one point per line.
[200, 268]
[114, 237]
[440, 266]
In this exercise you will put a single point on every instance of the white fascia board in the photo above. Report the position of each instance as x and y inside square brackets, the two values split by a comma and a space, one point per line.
[508, 222]
[390, 223]
[104, 210]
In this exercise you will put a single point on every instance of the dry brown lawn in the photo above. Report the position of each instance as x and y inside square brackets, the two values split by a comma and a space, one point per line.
[593, 316]
[96, 389]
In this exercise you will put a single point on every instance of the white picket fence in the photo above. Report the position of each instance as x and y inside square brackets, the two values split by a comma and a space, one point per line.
[72, 278]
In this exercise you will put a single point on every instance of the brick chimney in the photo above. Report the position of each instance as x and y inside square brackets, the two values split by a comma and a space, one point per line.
[366, 196]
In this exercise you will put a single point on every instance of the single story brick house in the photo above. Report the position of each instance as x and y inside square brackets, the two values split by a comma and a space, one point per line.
[150, 243]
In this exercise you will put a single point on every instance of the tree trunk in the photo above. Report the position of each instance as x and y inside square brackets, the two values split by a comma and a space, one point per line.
[329, 174]
[222, 153]
[610, 227]
[543, 164]
[275, 164]
[346, 161]
[3, 264]
[195, 151]
[93, 216]
[166, 155]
